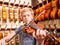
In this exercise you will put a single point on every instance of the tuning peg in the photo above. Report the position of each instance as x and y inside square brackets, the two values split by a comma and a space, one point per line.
[55, 31]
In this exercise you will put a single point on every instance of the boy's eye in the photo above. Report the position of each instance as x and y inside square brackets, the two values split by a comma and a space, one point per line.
[24, 16]
[28, 15]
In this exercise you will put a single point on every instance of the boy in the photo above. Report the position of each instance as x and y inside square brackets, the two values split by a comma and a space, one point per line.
[26, 39]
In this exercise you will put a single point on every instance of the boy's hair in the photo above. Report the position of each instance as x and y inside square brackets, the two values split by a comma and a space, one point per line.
[26, 9]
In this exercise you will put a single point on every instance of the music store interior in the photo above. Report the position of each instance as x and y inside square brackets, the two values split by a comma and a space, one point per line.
[10, 18]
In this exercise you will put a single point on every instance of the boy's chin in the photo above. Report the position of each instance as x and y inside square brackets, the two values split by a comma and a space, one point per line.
[27, 22]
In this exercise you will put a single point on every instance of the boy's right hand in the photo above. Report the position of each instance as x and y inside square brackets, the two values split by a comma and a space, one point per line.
[3, 42]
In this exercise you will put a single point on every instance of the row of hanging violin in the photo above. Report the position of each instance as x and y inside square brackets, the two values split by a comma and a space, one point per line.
[10, 12]
[51, 7]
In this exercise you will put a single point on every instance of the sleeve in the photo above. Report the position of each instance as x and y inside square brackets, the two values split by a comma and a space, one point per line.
[18, 30]
[40, 25]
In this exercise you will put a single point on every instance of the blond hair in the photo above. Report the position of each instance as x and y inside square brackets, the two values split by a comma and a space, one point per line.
[26, 9]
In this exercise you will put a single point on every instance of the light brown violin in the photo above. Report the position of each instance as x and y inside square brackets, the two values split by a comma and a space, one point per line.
[54, 9]
[48, 10]
[59, 9]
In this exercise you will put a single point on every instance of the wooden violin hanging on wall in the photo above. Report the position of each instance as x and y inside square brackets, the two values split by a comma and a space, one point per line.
[45, 6]
[58, 8]
[48, 9]
[11, 16]
[54, 9]
[4, 13]
[41, 9]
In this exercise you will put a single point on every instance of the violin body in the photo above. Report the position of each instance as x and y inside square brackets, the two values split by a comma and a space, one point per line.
[41, 17]
[37, 11]
[16, 13]
[48, 10]
[11, 13]
[54, 9]
[46, 41]
[58, 13]
[59, 9]
[4, 15]
[1, 35]
[53, 13]
[41, 8]
[30, 30]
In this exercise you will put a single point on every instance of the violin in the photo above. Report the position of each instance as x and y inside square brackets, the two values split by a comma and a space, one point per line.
[59, 13]
[54, 9]
[39, 10]
[48, 9]
[1, 35]
[16, 9]
[59, 9]
[4, 15]
[5, 11]
[30, 30]
[0, 11]
[44, 6]
[11, 17]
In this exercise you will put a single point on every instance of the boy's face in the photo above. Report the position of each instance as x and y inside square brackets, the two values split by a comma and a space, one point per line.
[27, 17]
